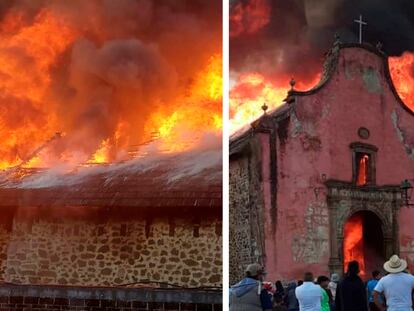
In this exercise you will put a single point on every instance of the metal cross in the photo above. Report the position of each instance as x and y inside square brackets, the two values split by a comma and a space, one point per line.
[361, 23]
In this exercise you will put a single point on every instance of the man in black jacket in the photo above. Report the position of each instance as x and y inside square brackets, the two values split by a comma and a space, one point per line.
[350, 293]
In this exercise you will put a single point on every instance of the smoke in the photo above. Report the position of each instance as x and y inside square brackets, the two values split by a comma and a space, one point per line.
[99, 72]
[297, 34]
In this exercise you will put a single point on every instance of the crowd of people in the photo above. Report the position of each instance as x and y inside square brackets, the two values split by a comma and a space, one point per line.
[392, 292]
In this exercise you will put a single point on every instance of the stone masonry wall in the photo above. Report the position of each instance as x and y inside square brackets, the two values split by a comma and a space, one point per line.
[246, 212]
[4, 242]
[116, 253]
[239, 227]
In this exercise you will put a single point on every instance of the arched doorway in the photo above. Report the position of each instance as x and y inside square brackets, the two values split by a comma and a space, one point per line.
[364, 242]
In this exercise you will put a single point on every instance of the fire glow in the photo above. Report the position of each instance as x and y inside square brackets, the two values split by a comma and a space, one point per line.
[107, 88]
[354, 243]
[402, 73]
[252, 89]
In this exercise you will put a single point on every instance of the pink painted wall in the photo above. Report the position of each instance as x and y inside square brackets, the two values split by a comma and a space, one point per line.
[357, 95]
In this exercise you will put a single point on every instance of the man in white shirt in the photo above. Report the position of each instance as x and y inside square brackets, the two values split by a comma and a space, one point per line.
[397, 286]
[309, 294]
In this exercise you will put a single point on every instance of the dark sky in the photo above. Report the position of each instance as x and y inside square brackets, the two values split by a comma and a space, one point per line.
[299, 32]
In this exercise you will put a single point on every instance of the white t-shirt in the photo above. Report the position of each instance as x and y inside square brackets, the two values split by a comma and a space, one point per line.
[397, 289]
[309, 296]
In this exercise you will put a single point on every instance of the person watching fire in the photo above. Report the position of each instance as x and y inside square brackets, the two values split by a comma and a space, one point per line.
[397, 286]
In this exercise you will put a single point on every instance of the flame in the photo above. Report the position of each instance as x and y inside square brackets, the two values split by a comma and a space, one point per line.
[178, 129]
[249, 17]
[252, 90]
[353, 242]
[102, 154]
[25, 81]
[402, 74]
[37, 49]
[363, 170]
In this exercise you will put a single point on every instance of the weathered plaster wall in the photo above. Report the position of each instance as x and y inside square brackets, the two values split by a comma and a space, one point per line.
[115, 253]
[406, 219]
[316, 148]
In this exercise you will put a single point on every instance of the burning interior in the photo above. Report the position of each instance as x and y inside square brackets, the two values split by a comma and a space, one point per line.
[364, 242]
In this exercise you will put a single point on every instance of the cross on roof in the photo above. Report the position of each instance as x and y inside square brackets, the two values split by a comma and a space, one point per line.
[361, 23]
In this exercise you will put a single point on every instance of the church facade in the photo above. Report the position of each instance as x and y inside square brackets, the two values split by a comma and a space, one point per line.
[316, 182]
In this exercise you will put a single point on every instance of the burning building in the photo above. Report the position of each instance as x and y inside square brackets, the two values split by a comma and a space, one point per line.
[315, 179]
[315, 183]
[110, 118]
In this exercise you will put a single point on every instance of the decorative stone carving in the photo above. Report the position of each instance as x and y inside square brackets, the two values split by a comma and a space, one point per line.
[345, 199]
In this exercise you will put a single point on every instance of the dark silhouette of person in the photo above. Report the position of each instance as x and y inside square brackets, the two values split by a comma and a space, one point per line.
[350, 293]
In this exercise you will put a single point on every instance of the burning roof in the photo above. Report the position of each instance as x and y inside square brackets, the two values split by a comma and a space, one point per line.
[108, 77]
[185, 180]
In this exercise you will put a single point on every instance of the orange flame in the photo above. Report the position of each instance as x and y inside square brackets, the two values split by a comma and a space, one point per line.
[402, 73]
[363, 170]
[178, 129]
[252, 90]
[353, 242]
[35, 50]
[25, 80]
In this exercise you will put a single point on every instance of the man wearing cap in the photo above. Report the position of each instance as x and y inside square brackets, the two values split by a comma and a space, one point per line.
[396, 286]
[248, 294]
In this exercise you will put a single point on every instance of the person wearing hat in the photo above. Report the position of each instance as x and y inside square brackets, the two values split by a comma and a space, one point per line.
[248, 294]
[397, 286]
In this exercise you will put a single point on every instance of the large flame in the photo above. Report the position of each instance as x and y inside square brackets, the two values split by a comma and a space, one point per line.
[354, 242]
[25, 81]
[178, 128]
[402, 73]
[107, 90]
[252, 90]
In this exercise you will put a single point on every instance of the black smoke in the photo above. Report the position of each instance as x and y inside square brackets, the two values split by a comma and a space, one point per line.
[301, 31]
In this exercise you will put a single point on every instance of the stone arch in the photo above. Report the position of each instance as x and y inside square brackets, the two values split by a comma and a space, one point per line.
[386, 225]
[370, 251]
[344, 200]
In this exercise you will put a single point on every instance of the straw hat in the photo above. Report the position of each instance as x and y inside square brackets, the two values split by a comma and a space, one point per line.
[395, 264]
[255, 269]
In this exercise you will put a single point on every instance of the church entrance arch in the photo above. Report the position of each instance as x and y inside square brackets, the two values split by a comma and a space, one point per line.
[364, 242]
[372, 215]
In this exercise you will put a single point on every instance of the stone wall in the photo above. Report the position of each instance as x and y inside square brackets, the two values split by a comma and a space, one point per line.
[115, 253]
[4, 242]
[239, 227]
[246, 209]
